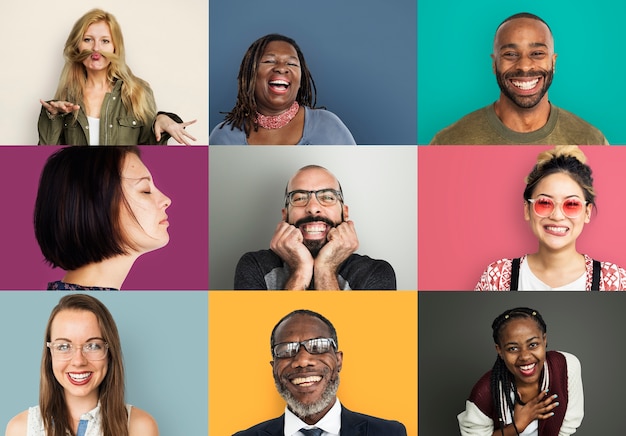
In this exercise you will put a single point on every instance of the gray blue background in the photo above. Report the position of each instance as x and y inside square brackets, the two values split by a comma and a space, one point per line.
[456, 348]
[164, 342]
[455, 40]
[361, 53]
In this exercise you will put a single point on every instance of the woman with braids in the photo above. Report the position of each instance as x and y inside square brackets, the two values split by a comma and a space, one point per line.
[82, 378]
[558, 201]
[276, 100]
[529, 391]
[99, 101]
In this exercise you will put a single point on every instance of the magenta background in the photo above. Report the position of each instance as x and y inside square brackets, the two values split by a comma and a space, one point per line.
[180, 172]
[470, 210]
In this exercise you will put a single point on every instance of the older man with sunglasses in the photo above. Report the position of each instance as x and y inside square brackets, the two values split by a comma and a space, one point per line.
[314, 245]
[306, 365]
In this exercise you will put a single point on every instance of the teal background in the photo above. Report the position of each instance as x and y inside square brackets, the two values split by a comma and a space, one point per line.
[455, 40]
[164, 341]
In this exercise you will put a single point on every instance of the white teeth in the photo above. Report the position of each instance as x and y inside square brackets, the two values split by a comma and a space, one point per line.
[310, 379]
[279, 83]
[80, 377]
[557, 229]
[525, 85]
[527, 367]
[319, 228]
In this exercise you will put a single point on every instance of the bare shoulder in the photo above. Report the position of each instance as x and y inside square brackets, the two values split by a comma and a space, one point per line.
[142, 423]
[17, 425]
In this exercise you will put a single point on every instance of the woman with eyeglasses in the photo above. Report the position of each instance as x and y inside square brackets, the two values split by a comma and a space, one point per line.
[558, 201]
[529, 391]
[82, 378]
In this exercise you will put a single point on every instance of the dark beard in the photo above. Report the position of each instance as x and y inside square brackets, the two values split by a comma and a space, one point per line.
[303, 410]
[314, 246]
[524, 102]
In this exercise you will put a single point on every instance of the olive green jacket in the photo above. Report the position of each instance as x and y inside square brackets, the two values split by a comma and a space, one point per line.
[117, 125]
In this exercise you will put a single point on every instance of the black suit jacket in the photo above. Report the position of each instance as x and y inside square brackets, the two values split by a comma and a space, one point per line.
[352, 424]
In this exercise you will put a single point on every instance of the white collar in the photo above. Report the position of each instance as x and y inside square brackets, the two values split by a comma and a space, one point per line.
[330, 423]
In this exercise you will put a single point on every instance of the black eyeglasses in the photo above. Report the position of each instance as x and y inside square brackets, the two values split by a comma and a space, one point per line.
[313, 346]
[325, 197]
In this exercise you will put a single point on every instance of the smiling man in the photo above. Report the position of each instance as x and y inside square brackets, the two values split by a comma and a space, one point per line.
[306, 365]
[314, 246]
[524, 64]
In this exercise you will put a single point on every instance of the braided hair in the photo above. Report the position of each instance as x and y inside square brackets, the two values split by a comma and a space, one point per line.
[243, 115]
[503, 386]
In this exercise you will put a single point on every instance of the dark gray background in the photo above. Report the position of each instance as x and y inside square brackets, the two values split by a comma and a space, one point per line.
[456, 349]
[362, 55]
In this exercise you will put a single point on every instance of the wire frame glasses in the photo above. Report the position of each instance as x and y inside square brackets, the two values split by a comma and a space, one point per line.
[94, 350]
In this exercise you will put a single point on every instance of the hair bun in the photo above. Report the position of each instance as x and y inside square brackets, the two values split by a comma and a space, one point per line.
[562, 150]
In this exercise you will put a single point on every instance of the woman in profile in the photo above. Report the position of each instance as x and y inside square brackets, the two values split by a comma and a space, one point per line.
[276, 98]
[529, 391]
[82, 378]
[99, 101]
[97, 210]
[558, 201]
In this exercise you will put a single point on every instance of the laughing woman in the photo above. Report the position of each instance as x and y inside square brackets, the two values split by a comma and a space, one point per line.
[558, 201]
[82, 378]
[529, 391]
[276, 99]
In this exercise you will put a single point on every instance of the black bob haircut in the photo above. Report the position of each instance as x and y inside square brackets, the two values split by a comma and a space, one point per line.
[77, 210]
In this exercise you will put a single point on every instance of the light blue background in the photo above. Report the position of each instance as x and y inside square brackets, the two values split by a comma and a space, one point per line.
[455, 40]
[164, 342]
[361, 53]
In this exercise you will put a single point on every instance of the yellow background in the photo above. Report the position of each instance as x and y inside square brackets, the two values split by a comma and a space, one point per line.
[377, 332]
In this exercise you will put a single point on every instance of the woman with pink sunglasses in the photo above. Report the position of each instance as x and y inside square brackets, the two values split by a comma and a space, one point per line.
[558, 201]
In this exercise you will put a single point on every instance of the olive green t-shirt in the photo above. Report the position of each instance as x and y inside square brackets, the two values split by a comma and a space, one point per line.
[484, 127]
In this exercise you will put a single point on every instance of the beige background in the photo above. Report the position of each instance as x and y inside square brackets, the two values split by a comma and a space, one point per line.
[166, 45]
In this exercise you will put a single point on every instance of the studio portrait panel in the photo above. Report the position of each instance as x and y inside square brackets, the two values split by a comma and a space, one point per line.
[179, 175]
[471, 211]
[455, 75]
[361, 55]
[148, 325]
[242, 392]
[457, 348]
[165, 44]
[379, 187]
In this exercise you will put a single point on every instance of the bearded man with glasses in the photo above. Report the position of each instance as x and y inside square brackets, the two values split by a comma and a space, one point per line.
[314, 245]
[306, 365]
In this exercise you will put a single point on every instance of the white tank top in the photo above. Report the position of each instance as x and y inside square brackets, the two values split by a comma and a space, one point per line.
[92, 419]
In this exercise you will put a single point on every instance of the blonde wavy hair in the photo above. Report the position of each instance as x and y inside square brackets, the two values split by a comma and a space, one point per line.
[568, 159]
[136, 93]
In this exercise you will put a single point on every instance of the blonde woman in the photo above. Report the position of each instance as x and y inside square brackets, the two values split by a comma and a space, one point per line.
[99, 101]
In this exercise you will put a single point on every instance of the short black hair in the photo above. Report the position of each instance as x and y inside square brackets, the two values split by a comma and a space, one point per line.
[77, 210]
[331, 327]
[523, 15]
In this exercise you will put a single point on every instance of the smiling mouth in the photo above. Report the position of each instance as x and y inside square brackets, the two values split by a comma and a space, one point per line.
[306, 381]
[281, 85]
[79, 378]
[525, 85]
[557, 229]
[528, 369]
[313, 230]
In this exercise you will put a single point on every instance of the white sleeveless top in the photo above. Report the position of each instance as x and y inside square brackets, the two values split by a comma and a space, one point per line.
[94, 130]
[93, 418]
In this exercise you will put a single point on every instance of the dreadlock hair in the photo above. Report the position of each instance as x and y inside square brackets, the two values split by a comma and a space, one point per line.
[568, 159]
[502, 381]
[243, 115]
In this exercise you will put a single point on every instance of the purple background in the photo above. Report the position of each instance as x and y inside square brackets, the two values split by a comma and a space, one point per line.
[180, 172]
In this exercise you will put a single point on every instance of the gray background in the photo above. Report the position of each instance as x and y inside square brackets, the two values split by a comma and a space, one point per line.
[246, 193]
[362, 55]
[456, 349]
[164, 342]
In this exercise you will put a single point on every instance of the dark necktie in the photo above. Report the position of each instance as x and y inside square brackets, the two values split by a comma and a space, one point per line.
[311, 432]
